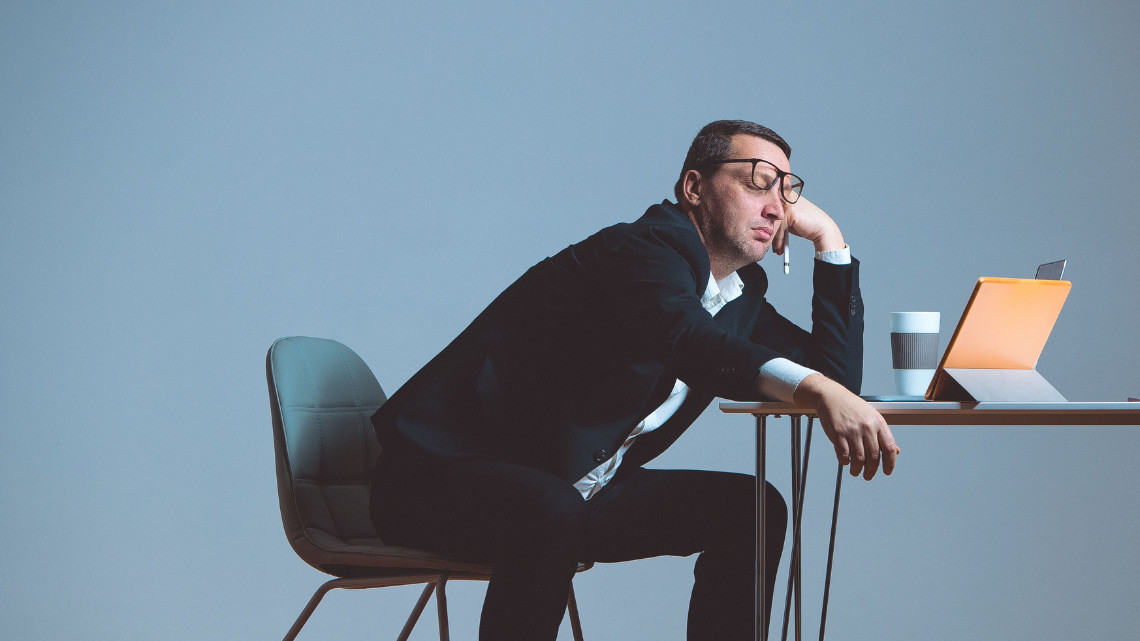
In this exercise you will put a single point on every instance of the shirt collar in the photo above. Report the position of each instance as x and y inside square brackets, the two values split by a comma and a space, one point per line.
[720, 293]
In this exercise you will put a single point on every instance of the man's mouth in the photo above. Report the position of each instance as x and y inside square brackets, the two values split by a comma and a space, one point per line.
[763, 233]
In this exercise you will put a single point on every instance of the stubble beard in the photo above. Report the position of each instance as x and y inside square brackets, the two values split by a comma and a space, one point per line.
[734, 252]
[744, 251]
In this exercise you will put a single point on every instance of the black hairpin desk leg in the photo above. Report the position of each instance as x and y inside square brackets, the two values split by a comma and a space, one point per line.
[830, 551]
[761, 535]
[799, 486]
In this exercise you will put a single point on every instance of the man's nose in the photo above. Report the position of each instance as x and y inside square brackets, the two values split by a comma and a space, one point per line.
[775, 210]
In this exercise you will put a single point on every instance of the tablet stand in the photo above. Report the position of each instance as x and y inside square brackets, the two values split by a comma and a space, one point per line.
[982, 385]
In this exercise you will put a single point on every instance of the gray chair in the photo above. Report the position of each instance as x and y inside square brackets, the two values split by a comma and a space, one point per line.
[321, 395]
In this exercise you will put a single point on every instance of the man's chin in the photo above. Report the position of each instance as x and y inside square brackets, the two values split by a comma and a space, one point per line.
[758, 254]
[752, 252]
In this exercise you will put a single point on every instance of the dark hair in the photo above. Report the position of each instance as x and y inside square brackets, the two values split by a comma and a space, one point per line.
[714, 141]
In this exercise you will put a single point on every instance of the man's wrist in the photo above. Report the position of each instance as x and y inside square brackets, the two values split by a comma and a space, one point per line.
[830, 241]
[811, 390]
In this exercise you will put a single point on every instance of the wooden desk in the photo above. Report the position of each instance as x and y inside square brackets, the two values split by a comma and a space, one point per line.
[895, 413]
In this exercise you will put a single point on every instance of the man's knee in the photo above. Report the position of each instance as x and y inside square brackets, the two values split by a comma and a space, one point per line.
[776, 510]
[743, 500]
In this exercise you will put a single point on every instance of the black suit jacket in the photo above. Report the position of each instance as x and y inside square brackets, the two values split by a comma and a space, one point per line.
[557, 371]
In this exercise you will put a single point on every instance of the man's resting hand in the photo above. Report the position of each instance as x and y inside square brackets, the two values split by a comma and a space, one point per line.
[859, 433]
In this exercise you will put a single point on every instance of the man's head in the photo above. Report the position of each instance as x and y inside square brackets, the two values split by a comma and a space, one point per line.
[737, 218]
[714, 141]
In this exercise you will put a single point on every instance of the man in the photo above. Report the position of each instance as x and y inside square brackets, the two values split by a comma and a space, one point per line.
[522, 443]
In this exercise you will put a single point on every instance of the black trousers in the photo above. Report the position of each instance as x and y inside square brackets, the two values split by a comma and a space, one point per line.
[534, 528]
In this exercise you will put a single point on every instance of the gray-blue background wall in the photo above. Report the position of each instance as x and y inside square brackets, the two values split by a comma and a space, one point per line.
[182, 183]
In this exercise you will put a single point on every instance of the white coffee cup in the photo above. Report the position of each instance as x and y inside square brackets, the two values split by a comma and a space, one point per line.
[914, 350]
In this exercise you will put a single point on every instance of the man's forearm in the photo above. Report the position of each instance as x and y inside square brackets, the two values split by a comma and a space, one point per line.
[836, 346]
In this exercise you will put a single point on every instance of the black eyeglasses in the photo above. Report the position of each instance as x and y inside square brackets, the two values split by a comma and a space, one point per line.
[765, 175]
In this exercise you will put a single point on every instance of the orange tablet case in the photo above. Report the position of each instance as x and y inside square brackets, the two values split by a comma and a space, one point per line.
[993, 352]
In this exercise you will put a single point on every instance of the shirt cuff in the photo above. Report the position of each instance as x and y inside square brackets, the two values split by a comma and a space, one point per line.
[835, 256]
[780, 377]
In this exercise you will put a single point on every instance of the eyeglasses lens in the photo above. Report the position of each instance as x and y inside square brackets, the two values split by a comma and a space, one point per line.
[765, 176]
[792, 187]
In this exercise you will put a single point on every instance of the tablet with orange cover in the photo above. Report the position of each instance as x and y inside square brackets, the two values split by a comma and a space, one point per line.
[993, 353]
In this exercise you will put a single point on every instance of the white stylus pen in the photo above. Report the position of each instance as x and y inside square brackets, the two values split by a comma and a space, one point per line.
[787, 257]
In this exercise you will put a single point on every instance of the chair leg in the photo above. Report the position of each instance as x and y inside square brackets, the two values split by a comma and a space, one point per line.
[309, 608]
[572, 609]
[441, 605]
[416, 612]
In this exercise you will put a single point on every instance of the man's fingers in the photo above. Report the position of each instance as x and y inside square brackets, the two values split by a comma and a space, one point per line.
[857, 457]
[890, 451]
[780, 242]
[841, 452]
[889, 456]
[871, 447]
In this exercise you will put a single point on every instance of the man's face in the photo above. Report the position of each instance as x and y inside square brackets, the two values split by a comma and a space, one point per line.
[738, 219]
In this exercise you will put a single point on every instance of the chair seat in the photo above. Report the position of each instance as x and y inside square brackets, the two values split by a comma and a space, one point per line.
[325, 552]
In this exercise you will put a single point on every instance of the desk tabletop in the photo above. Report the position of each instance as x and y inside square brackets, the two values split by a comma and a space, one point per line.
[951, 413]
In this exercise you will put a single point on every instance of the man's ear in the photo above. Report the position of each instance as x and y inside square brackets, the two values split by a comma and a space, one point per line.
[691, 188]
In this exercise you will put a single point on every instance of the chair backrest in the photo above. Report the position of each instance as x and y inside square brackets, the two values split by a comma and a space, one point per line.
[322, 395]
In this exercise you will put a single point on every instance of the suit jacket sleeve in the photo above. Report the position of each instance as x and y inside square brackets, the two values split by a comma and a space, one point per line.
[663, 272]
[834, 346]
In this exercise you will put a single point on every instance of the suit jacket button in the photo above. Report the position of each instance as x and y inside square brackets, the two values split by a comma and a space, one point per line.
[600, 456]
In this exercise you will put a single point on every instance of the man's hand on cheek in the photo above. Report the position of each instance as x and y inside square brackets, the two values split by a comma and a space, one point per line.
[806, 220]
